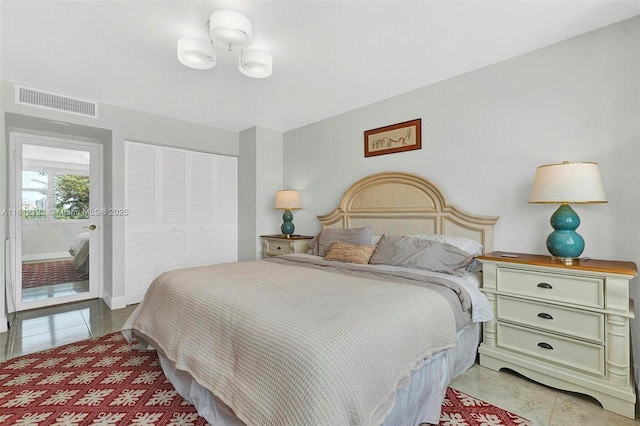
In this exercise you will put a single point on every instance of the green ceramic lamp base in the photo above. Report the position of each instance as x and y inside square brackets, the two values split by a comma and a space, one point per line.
[564, 243]
[287, 227]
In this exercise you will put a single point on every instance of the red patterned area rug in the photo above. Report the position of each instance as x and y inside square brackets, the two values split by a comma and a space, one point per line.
[460, 409]
[106, 381]
[38, 274]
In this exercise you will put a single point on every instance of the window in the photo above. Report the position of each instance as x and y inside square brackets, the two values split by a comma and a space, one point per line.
[71, 196]
[54, 195]
[35, 194]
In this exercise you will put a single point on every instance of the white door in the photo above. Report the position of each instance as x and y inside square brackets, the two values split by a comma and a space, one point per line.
[56, 221]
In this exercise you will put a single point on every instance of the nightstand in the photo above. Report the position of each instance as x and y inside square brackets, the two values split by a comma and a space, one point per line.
[276, 245]
[566, 326]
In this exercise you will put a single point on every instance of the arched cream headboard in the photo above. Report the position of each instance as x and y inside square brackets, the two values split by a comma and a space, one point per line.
[404, 204]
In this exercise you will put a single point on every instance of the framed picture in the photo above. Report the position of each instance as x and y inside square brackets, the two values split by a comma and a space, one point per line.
[399, 137]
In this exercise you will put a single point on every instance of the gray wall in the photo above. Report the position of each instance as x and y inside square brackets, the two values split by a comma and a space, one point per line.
[247, 181]
[260, 176]
[485, 132]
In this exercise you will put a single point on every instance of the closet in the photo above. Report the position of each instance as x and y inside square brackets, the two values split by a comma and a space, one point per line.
[181, 211]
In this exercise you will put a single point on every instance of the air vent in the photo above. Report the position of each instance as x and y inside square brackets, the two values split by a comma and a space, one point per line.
[48, 100]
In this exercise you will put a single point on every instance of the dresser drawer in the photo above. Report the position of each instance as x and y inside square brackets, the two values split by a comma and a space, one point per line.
[558, 319]
[582, 356]
[278, 247]
[571, 289]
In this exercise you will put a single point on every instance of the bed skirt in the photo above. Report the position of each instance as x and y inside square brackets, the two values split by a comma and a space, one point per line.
[416, 403]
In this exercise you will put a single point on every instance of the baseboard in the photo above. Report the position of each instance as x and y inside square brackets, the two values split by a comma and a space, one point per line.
[3, 324]
[115, 302]
[46, 256]
[635, 374]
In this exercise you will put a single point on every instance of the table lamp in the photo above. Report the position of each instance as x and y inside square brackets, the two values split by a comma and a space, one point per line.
[567, 183]
[287, 200]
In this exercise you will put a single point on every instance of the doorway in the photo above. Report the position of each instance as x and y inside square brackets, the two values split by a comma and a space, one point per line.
[56, 228]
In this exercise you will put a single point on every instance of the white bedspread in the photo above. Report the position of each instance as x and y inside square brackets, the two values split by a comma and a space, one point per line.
[80, 252]
[290, 345]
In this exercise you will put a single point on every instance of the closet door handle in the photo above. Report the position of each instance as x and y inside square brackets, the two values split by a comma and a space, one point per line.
[544, 315]
[545, 345]
[545, 285]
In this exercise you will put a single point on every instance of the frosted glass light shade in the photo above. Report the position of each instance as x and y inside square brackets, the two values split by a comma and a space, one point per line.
[568, 183]
[288, 199]
[255, 63]
[196, 53]
[230, 29]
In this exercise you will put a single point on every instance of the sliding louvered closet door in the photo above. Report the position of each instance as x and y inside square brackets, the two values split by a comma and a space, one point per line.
[201, 210]
[141, 222]
[182, 212]
[172, 197]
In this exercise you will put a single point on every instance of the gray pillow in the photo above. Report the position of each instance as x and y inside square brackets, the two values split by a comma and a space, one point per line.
[320, 244]
[412, 252]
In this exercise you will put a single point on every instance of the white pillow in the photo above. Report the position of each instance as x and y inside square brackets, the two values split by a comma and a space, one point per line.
[472, 247]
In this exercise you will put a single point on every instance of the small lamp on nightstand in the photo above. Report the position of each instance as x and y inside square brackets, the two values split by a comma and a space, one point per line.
[287, 200]
[567, 183]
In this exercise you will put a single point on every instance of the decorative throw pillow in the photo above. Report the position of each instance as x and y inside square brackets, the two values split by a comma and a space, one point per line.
[347, 252]
[419, 253]
[319, 245]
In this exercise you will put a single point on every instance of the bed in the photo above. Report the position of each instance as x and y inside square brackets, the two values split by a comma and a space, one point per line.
[314, 339]
[80, 252]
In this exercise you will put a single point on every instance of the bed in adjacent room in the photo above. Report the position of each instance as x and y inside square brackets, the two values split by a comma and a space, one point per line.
[369, 327]
[80, 252]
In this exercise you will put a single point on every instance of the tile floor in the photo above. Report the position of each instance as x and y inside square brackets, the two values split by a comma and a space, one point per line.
[540, 404]
[45, 328]
[54, 290]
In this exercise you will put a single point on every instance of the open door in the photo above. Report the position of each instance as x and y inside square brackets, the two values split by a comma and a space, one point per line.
[57, 228]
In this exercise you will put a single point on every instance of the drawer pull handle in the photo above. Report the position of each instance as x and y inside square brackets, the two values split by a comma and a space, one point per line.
[545, 316]
[545, 345]
[545, 285]
[279, 248]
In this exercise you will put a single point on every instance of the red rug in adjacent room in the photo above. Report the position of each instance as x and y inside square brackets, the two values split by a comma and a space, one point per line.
[38, 274]
[106, 381]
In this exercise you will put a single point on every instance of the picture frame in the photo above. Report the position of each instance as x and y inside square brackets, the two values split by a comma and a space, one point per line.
[400, 137]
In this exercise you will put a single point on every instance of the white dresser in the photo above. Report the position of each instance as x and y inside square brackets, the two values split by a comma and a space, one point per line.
[276, 245]
[566, 326]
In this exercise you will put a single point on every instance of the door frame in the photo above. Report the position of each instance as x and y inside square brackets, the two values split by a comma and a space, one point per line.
[96, 259]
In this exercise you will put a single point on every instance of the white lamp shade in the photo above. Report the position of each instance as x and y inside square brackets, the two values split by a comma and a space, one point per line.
[568, 183]
[288, 199]
[255, 63]
[230, 29]
[196, 53]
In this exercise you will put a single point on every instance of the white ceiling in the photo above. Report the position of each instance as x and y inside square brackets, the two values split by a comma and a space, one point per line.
[329, 56]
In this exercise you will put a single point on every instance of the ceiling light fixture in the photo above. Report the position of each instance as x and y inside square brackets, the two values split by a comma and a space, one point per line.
[231, 31]
[196, 53]
[255, 63]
